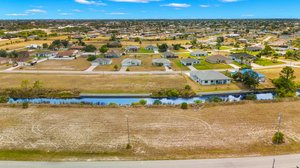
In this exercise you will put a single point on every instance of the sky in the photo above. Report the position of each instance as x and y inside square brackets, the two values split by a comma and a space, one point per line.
[148, 9]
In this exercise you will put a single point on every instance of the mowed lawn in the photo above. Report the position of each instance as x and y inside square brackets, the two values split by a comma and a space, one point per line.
[99, 83]
[207, 66]
[146, 63]
[267, 62]
[79, 64]
[84, 132]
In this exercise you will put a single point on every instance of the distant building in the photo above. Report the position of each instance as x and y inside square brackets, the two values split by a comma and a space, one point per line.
[169, 55]
[132, 49]
[131, 62]
[218, 59]
[113, 54]
[161, 62]
[242, 58]
[102, 61]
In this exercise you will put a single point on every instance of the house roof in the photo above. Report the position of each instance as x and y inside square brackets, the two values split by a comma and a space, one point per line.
[199, 52]
[209, 75]
[217, 58]
[244, 55]
[168, 53]
[189, 60]
[161, 60]
[131, 60]
[243, 71]
[100, 60]
[66, 53]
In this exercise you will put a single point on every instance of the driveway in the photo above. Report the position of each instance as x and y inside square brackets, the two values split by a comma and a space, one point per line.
[192, 68]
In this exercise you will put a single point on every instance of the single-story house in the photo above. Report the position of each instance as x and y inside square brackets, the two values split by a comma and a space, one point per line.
[261, 77]
[169, 55]
[217, 59]
[210, 78]
[102, 61]
[187, 46]
[92, 35]
[199, 53]
[34, 46]
[189, 61]
[46, 54]
[112, 54]
[151, 48]
[67, 54]
[242, 58]
[254, 48]
[4, 60]
[77, 47]
[132, 48]
[114, 44]
[131, 62]
[161, 62]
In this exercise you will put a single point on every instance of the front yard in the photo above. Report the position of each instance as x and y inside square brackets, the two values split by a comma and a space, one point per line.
[267, 62]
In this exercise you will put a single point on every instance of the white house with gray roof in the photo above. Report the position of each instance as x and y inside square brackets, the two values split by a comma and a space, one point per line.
[210, 78]
[189, 61]
[199, 53]
[131, 62]
[102, 61]
[161, 62]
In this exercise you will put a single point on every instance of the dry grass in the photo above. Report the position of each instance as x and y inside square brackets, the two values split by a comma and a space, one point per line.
[79, 64]
[156, 133]
[146, 63]
[99, 83]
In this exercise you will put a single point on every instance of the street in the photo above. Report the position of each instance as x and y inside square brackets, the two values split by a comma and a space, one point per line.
[286, 161]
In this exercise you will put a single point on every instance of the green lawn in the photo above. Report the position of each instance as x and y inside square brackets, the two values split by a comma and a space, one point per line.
[143, 50]
[177, 66]
[267, 62]
[225, 48]
[206, 66]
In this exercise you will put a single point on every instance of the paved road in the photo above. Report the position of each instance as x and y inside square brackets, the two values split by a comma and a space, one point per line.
[287, 161]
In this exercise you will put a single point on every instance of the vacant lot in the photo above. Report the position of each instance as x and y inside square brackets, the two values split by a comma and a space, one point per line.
[155, 133]
[79, 64]
[146, 63]
[99, 83]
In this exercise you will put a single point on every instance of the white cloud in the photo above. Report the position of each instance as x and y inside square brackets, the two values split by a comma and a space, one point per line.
[35, 11]
[178, 5]
[77, 10]
[16, 14]
[90, 2]
[205, 6]
[134, 1]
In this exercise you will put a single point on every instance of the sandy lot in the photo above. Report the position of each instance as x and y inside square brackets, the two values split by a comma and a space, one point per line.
[160, 132]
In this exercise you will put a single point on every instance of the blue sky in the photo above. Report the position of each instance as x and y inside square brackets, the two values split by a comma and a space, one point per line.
[148, 9]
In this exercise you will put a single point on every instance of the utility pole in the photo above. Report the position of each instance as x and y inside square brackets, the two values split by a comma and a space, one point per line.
[273, 166]
[128, 131]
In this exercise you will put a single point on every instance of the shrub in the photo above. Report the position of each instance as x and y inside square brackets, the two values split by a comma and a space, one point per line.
[127, 69]
[157, 102]
[184, 106]
[250, 97]
[25, 105]
[143, 102]
[214, 99]
[278, 138]
[113, 104]
[3, 99]
[197, 102]
[128, 146]
[91, 58]
[187, 87]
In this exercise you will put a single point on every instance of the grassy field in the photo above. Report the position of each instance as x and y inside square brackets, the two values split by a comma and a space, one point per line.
[177, 66]
[146, 63]
[274, 73]
[206, 66]
[79, 64]
[83, 132]
[267, 62]
[99, 83]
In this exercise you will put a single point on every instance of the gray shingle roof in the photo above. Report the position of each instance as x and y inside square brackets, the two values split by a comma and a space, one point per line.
[209, 75]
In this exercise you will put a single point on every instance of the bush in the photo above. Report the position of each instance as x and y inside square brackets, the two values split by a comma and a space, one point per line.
[250, 97]
[143, 102]
[197, 102]
[184, 106]
[278, 138]
[214, 99]
[25, 105]
[91, 58]
[3, 99]
[113, 104]
[157, 102]
[128, 146]
[127, 69]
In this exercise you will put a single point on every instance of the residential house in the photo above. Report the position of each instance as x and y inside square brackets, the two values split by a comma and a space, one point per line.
[112, 54]
[187, 46]
[132, 49]
[151, 48]
[102, 61]
[4, 60]
[210, 78]
[199, 53]
[242, 58]
[254, 48]
[114, 44]
[261, 77]
[169, 55]
[34, 46]
[77, 47]
[189, 61]
[67, 54]
[161, 62]
[131, 62]
[46, 54]
[218, 59]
